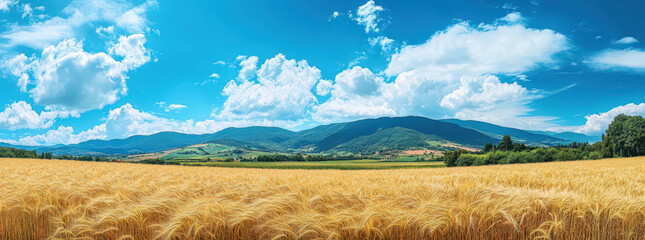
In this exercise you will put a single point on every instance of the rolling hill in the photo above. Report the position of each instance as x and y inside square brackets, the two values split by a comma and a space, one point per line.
[371, 134]
[387, 139]
[571, 136]
[345, 132]
[498, 132]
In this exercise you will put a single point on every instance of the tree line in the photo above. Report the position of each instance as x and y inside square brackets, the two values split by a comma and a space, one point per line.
[8, 152]
[625, 137]
[300, 158]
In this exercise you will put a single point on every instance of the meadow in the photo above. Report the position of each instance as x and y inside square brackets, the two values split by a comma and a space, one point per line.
[57, 199]
[362, 164]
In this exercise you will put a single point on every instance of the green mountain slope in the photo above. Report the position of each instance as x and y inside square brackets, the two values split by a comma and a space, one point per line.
[498, 132]
[443, 130]
[321, 138]
[396, 138]
[571, 136]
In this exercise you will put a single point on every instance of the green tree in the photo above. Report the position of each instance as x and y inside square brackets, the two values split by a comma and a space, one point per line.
[625, 136]
[506, 144]
[488, 147]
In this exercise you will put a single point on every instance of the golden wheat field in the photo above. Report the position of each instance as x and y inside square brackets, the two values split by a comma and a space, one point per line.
[55, 199]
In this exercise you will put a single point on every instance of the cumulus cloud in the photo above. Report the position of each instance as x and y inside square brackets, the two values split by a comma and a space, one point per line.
[453, 74]
[18, 66]
[598, 123]
[626, 40]
[494, 49]
[61, 135]
[368, 16]
[135, 19]
[384, 42]
[333, 16]
[19, 115]
[619, 60]
[356, 82]
[132, 49]
[127, 121]
[280, 89]
[67, 78]
[514, 17]
[483, 92]
[78, 13]
[249, 67]
[6, 4]
[324, 87]
[105, 31]
[27, 11]
[358, 93]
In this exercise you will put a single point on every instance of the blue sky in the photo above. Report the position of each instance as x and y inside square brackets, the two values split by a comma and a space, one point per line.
[72, 71]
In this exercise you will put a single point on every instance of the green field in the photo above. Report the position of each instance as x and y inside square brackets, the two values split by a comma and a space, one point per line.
[212, 151]
[343, 165]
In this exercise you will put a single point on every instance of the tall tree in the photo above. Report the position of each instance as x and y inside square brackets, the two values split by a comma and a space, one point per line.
[625, 136]
[506, 144]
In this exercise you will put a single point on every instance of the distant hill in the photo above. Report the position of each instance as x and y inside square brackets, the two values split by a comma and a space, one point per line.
[387, 139]
[497, 132]
[356, 136]
[345, 132]
[571, 136]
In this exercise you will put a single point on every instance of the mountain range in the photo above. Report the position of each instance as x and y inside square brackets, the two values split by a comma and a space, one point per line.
[367, 135]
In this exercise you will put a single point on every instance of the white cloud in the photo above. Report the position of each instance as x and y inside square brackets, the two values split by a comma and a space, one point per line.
[220, 62]
[626, 40]
[509, 6]
[17, 66]
[361, 56]
[173, 107]
[334, 16]
[514, 17]
[105, 31]
[368, 16]
[494, 49]
[19, 115]
[214, 75]
[453, 74]
[358, 93]
[384, 42]
[483, 92]
[61, 135]
[619, 60]
[135, 19]
[69, 79]
[6, 4]
[281, 90]
[132, 49]
[78, 13]
[249, 67]
[598, 123]
[356, 82]
[324, 87]
[127, 121]
[27, 11]
[168, 108]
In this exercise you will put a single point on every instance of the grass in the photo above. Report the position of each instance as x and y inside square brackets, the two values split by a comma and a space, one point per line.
[210, 150]
[342, 165]
[41, 199]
